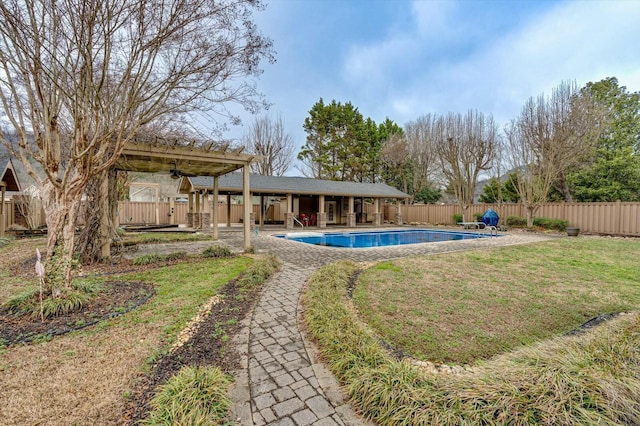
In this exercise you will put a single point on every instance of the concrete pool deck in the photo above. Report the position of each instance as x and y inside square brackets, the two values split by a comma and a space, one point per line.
[282, 381]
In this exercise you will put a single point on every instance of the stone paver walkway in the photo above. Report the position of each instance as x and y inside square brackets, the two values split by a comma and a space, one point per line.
[281, 382]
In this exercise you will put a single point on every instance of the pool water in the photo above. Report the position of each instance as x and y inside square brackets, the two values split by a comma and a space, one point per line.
[366, 239]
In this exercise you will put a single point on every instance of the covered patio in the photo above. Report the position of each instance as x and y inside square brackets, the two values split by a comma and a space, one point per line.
[308, 202]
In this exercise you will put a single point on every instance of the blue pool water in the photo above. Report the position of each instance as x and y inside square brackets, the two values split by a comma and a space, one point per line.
[379, 238]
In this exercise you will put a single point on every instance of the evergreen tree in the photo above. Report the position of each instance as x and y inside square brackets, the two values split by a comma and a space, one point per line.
[614, 172]
[343, 145]
[509, 191]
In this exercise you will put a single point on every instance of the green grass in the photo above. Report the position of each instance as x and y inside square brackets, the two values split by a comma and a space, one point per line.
[182, 288]
[4, 241]
[464, 307]
[151, 258]
[593, 378]
[163, 237]
[198, 395]
[10, 283]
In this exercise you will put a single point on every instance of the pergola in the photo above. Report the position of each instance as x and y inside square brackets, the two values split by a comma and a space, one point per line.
[182, 161]
[8, 182]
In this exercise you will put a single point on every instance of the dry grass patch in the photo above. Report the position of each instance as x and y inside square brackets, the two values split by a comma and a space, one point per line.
[87, 377]
[462, 307]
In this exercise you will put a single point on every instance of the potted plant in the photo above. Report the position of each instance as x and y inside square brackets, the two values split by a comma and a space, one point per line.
[573, 231]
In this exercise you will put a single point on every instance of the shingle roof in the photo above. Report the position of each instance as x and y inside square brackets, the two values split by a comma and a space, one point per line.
[232, 182]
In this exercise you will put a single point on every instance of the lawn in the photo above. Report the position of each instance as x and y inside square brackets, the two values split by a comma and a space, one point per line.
[96, 374]
[464, 307]
[549, 378]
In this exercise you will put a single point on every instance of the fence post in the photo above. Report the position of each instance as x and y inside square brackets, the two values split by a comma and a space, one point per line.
[619, 215]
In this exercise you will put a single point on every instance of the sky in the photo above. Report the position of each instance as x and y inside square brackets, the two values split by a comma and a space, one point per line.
[403, 59]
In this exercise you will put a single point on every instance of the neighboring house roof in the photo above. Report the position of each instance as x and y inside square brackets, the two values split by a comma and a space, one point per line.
[280, 185]
[8, 175]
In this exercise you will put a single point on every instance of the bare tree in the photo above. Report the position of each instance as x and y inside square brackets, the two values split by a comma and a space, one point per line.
[564, 130]
[268, 138]
[420, 136]
[80, 79]
[29, 205]
[395, 155]
[534, 175]
[466, 146]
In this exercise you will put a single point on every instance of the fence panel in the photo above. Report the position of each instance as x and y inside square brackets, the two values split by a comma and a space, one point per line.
[9, 214]
[599, 218]
[615, 218]
[140, 212]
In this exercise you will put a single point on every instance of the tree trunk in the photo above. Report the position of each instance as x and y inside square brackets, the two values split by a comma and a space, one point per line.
[61, 210]
[465, 208]
[530, 211]
[564, 189]
[98, 210]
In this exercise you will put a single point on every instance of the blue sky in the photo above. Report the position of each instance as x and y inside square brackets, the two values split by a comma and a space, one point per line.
[402, 59]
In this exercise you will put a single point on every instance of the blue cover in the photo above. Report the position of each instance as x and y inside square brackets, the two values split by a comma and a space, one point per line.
[490, 218]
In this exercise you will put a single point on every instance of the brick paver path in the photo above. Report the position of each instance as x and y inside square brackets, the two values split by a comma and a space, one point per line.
[281, 381]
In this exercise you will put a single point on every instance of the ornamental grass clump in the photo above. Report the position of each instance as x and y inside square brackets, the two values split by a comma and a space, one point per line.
[261, 269]
[195, 396]
[217, 251]
[33, 303]
[590, 378]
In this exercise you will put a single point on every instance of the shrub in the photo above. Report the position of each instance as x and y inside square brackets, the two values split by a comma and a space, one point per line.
[457, 218]
[21, 303]
[194, 396]
[557, 224]
[516, 221]
[217, 251]
[478, 217]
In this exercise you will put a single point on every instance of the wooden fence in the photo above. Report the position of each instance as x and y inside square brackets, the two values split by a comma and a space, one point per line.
[615, 218]
[618, 218]
[146, 212]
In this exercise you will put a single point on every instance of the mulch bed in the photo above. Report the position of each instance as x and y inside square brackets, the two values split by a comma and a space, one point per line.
[119, 297]
[211, 345]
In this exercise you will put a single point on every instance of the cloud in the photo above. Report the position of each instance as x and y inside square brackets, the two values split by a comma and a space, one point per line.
[428, 67]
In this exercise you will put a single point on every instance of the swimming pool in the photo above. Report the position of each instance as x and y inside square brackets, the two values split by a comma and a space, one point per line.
[364, 239]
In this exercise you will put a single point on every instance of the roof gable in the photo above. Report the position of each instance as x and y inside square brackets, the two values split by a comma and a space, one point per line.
[8, 177]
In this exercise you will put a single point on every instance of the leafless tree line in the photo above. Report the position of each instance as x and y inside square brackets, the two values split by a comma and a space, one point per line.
[449, 150]
[550, 136]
